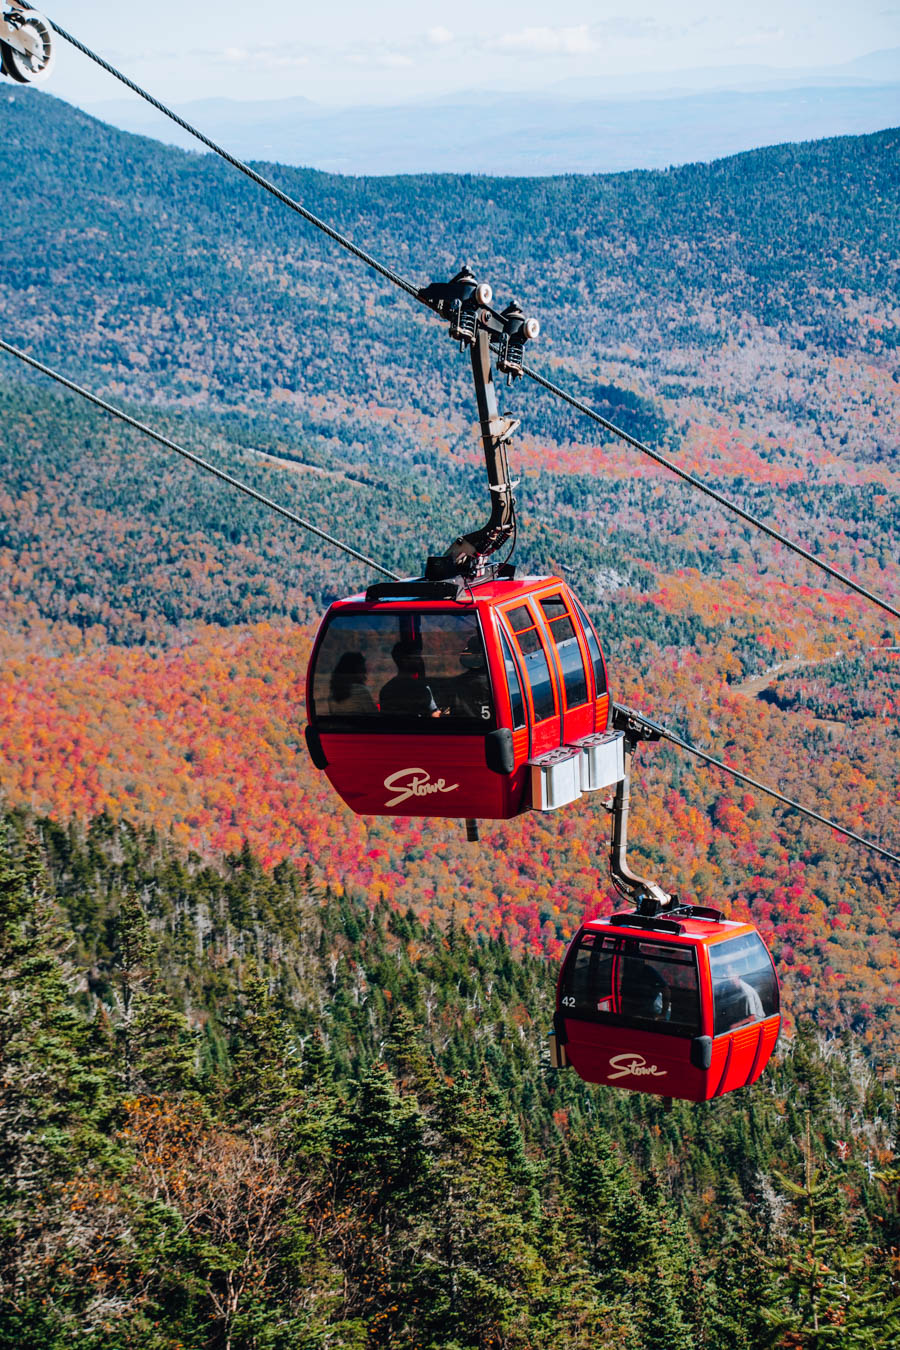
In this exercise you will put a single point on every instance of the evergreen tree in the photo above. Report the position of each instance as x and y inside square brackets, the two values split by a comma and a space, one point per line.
[60, 1215]
[267, 1067]
[294, 1191]
[157, 1049]
[829, 1294]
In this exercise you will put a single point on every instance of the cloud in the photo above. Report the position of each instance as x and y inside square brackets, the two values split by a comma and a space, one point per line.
[760, 36]
[265, 57]
[635, 28]
[549, 41]
[438, 37]
[384, 58]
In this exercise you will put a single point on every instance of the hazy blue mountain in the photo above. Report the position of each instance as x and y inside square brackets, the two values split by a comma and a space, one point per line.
[876, 65]
[585, 129]
[882, 67]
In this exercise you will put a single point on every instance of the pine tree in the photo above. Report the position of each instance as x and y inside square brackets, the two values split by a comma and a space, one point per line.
[267, 1065]
[60, 1206]
[158, 1051]
[831, 1294]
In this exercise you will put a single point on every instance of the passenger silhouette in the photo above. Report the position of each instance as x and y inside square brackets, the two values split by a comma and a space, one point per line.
[349, 695]
[645, 994]
[471, 691]
[736, 1000]
[407, 694]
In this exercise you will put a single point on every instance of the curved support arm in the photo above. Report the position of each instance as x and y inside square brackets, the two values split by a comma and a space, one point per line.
[647, 897]
[468, 550]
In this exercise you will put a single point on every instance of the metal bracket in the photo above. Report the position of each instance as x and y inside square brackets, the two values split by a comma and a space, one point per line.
[465, 303]
[635, 725]
[501, 429]
[648, 898]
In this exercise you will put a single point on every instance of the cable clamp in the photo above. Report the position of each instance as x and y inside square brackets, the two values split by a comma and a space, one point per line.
[501, 429]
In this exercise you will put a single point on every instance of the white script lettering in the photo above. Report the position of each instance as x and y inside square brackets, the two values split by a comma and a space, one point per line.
[418, 785]
[633, 1064]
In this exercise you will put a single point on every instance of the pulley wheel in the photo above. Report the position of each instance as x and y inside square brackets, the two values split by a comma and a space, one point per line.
[4, 61]
[37, 34]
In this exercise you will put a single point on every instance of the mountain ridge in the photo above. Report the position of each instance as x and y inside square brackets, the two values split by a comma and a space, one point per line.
[538, 134]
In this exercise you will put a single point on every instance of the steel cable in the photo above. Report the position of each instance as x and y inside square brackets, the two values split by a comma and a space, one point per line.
[194, 459]
[394, 277]
[370, 562]
[698, 483]
[668, 735]
[578, 404]
[388, 273]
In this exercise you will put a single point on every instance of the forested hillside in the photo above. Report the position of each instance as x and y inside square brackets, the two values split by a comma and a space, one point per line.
[273, 1074]
[743, 315]
[239, 1111]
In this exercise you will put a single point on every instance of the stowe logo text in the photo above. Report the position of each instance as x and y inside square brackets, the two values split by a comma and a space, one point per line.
[636, 1065]
[417, 784]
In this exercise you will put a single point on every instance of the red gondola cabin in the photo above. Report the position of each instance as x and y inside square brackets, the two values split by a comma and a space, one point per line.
[685, 1006]
[428, 699]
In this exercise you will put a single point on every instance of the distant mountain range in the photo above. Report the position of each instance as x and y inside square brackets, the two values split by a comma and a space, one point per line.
[641, 122]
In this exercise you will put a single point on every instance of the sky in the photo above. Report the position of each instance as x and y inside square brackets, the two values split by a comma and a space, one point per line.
[348, 52]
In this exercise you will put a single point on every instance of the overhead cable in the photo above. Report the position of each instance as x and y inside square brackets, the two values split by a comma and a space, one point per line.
[249, 491]
[194, 459]
[388, 273]
[668, 735]
[413, 291]
[698, 483]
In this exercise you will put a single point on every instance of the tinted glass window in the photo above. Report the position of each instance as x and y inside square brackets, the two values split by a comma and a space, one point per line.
[520, 618]
[406, 670]
[744, 984]
[657, 988]
[587, 984]
[534, 661]
[554, 607]
[515, 689]
[562, 631]
[537, 673]
[594, 649]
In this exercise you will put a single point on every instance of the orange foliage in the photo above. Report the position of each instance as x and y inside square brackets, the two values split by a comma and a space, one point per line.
[205, 742]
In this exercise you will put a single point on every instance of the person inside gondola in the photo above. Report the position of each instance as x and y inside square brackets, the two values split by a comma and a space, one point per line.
[736, 1000]
[645, 994]
[348, 693]
[471, 691]
[408, 694]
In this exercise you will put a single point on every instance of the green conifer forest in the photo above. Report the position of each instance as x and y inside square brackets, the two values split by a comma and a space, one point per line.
[240, 1112]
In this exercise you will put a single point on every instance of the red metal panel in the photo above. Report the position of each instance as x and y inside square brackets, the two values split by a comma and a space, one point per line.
[743, 1046]
[768, 1039]
[520, 746]
[433, 775]
[721, 1060]
[641, 1061]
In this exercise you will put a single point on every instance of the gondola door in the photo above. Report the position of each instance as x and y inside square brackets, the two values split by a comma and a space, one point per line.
[597, 666]
[539, 669]
[571, 667]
